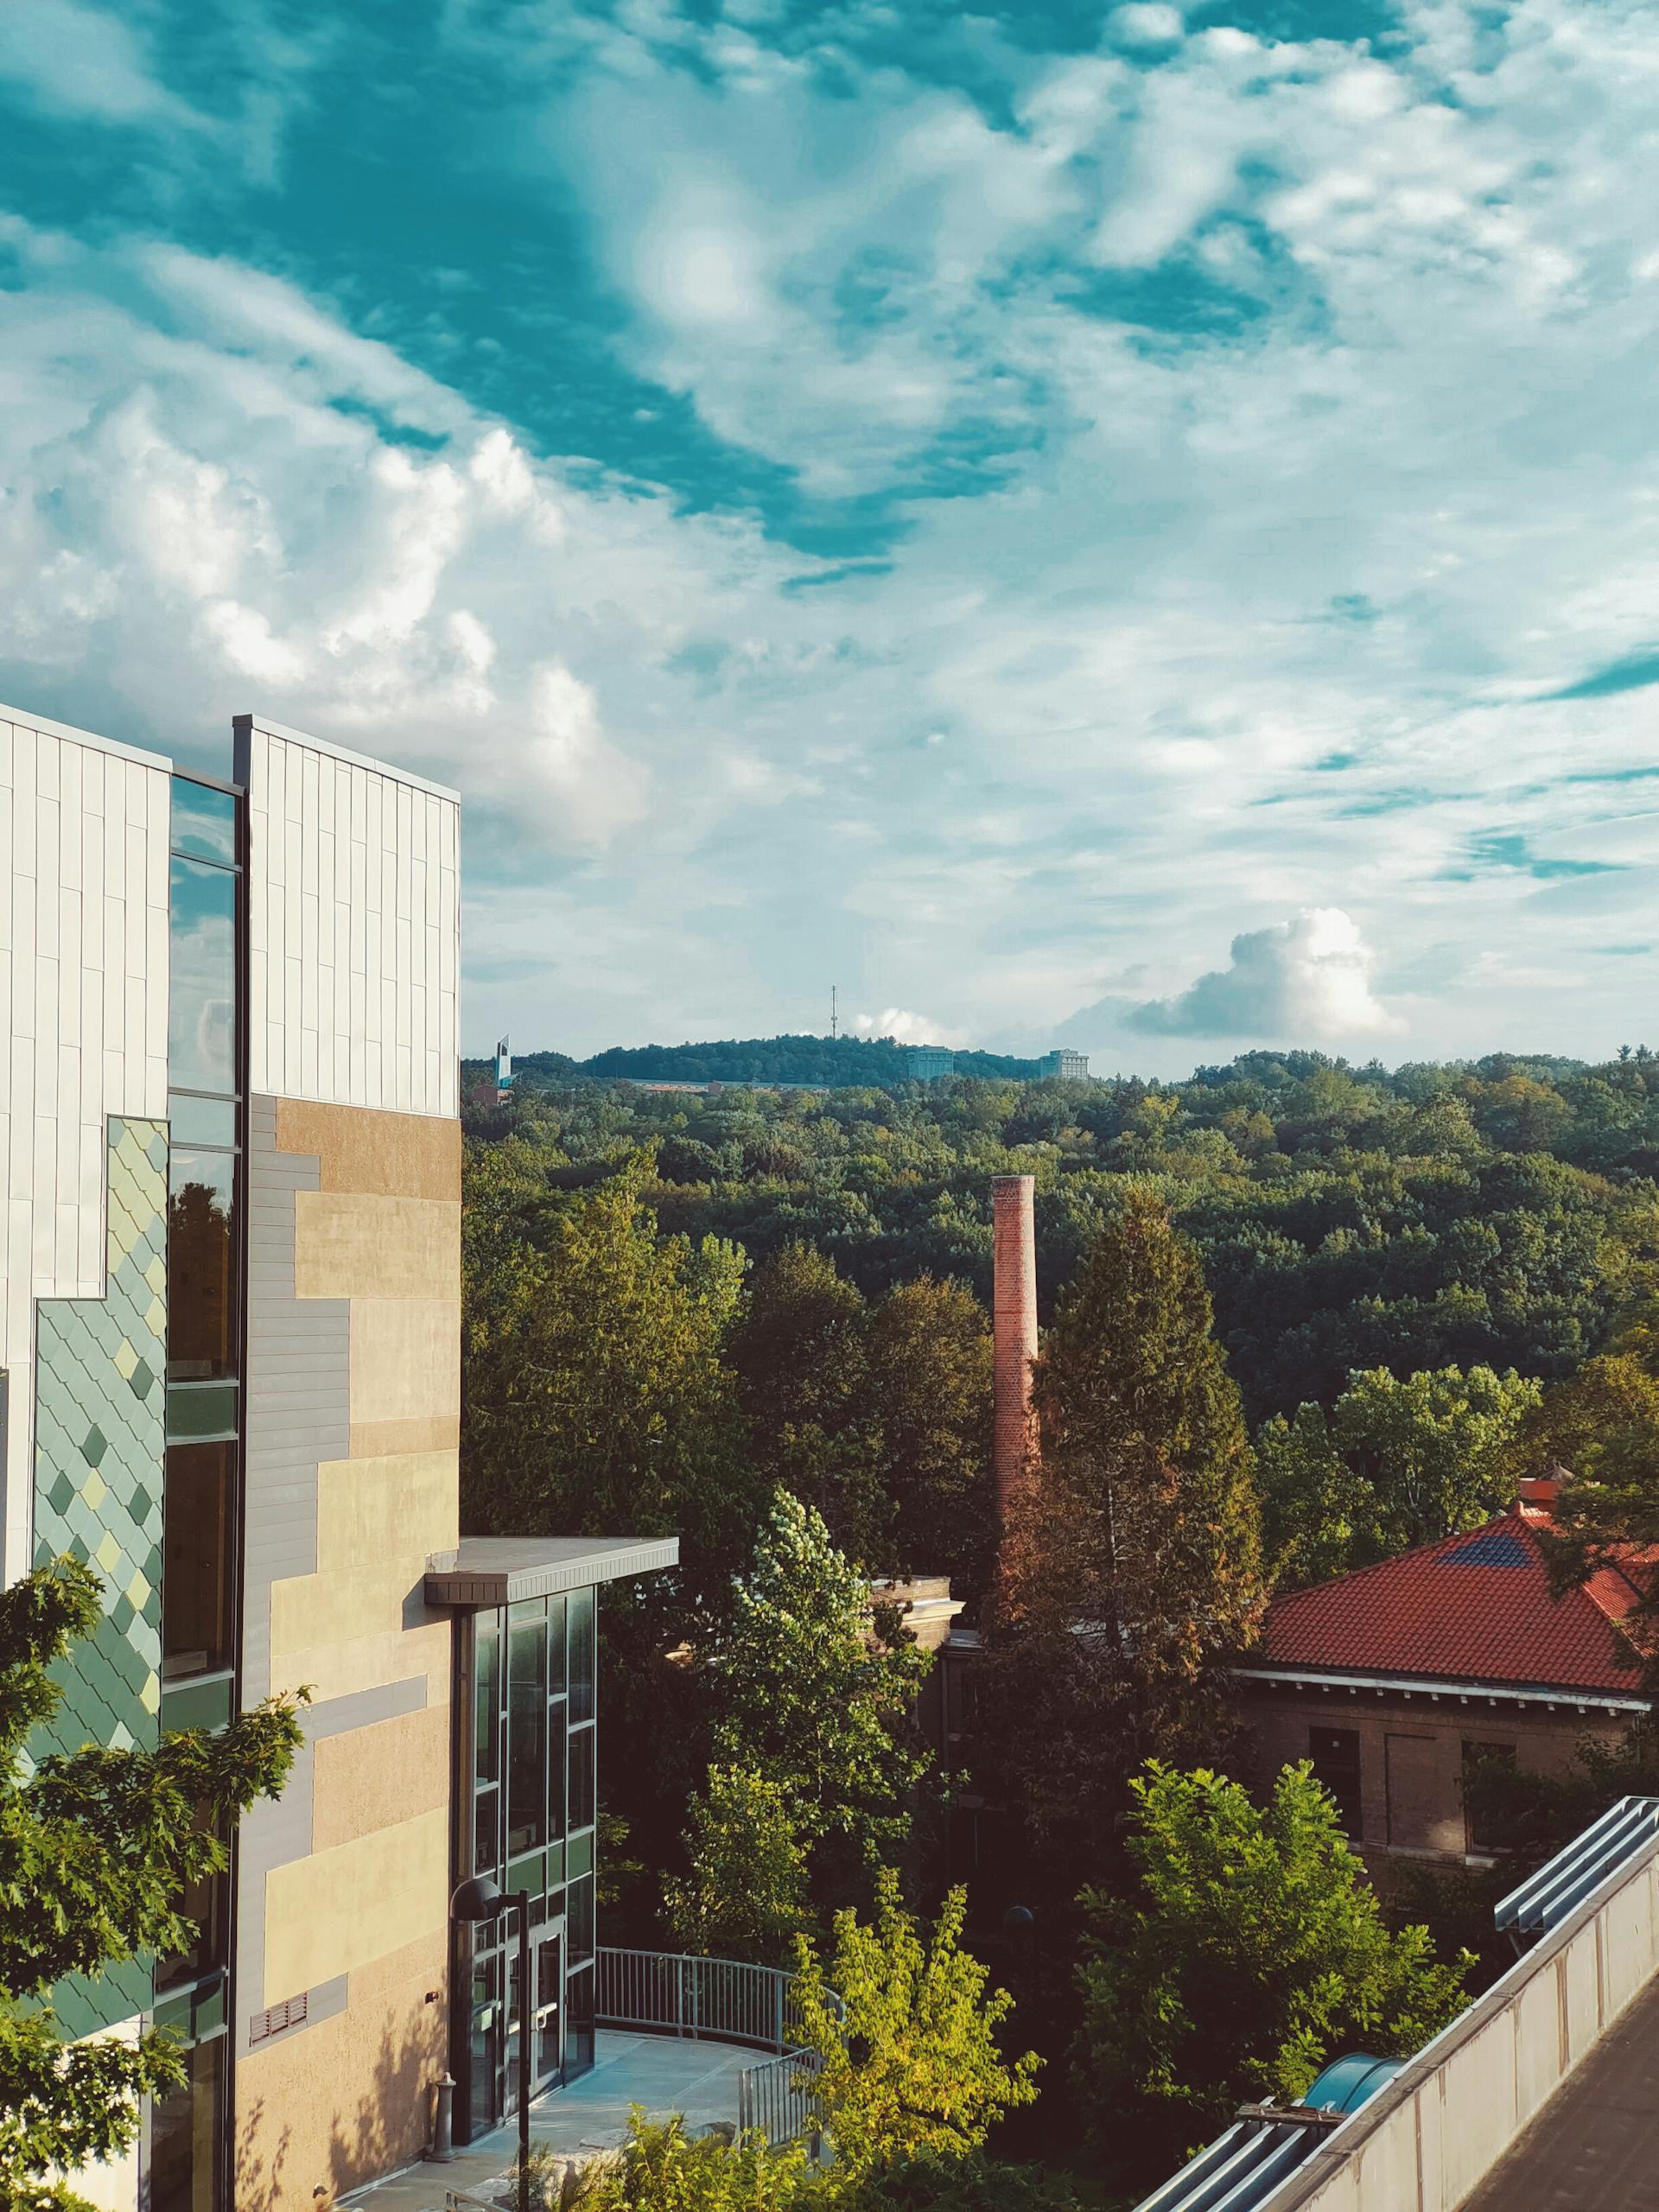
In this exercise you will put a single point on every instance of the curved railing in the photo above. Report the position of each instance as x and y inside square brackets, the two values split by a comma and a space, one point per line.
[667, 1993]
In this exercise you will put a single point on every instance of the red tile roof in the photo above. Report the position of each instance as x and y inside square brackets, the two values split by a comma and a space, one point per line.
[1474, 1608]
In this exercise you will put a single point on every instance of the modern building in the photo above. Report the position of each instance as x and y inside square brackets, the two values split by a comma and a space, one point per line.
[230, 1335]
[1073, 1067]
[1396, 1679]
[929, 1063]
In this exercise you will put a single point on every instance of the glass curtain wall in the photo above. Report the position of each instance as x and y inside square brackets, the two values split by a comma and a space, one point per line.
[188, 2162]
[533, 1806]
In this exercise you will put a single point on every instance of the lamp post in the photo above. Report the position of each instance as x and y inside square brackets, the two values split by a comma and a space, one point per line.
[480, 1899]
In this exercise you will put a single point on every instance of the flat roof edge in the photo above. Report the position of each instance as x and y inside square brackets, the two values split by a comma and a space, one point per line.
[242, 724]
[1358, 1678]
[73, 736]
[455, 1581]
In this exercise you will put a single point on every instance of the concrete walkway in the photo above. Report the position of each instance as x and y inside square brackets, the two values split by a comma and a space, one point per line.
[665, 2074]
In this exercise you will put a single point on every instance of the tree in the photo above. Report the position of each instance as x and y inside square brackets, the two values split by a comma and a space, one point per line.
[97, 1849]
[1249, 1950]
[908, 2060]
[1132, 1564]
[745, 1894]
[930, 1388]
[801, 1352]
[661, 2168]
[812, 1691]
[1603, 1424]
[595, 1397]
[1399, 1461]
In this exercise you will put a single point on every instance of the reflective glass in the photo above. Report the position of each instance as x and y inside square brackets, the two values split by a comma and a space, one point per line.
[526, 1729]
[208, 1902]
[486, 1845]
[581, 1617]
[185, 2130]
[202, 1121]
[581, 1779]
[578, 2022]
[204, 820]
[556, 1647]
[556, 1769]
[200, 1244]
[486, 1743]
[579, 1918]
[201, 1019]
[197, 1556]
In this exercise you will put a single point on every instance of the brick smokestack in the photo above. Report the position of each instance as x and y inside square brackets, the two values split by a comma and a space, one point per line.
[1013, 1303]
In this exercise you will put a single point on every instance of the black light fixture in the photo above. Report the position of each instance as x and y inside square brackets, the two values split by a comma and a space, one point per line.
[480, 1899]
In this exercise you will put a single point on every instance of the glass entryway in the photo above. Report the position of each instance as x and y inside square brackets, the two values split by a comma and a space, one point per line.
[497, 2023]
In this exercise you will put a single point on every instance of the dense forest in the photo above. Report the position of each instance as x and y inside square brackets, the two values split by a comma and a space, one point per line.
[816, 1063]
[1435, 1215]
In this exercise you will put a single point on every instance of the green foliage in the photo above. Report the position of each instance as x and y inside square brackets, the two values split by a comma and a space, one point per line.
[929, 1379]
[96, 1851]
[810, 1692]
[745, 1894]
[595, 1396]
[662, 2169]
[1250, 1951]
[1398, 1461]
[1133, 1567]
[908, 2061]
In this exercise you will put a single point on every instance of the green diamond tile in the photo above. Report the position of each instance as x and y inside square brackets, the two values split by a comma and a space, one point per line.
[94, 1445]
[142, 1381]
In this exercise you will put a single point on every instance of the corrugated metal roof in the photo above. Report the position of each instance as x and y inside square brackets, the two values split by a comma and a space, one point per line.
[1582, 1866]
[1243, 2168]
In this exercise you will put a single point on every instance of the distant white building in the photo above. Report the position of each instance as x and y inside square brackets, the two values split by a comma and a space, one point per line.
[928, 1062]
[1074, 1066]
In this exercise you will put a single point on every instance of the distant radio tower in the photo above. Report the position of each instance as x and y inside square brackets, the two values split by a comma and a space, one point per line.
[834, 1029]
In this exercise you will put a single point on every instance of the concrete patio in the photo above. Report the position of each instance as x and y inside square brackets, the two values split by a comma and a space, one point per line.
[665, 2074]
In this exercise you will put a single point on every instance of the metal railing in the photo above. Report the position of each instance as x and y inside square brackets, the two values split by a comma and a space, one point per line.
[668, 1993]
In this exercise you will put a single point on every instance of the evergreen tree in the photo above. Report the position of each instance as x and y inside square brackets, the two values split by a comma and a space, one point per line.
[1131, 1568]
[97, 1850]
[1249, 1949]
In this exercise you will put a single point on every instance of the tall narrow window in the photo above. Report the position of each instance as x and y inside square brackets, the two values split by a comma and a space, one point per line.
[198, 1552]
[527, 1726]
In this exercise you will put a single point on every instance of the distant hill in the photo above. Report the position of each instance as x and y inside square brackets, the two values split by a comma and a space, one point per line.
[839, 1063]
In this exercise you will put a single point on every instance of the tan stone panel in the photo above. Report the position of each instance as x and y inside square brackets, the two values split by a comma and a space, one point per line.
[372, 1512]
[350, 2097]
[346, 1245]
[405, 1355]
[370, 1778]
[334, 1911]
[374, 1439]
[358, 1659]
[361, 1149]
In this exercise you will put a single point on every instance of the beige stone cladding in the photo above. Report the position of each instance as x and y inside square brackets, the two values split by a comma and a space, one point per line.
[353, 1425]
[1411, 1752]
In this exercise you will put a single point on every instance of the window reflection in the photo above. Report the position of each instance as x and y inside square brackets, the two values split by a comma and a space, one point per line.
[201, 1026]
[185, 2133]
[203, 821]
[527, 1728]
[201, 1301]
[196, 1552]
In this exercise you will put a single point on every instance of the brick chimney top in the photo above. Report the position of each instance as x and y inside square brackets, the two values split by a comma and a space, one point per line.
[1014, 1315]
[1540, 1492]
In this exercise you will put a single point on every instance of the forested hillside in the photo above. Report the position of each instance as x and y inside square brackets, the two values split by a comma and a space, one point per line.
[1348, 1218]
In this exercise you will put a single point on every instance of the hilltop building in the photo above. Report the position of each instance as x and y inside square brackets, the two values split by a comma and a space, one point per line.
[230, 1332]
[1073, 1067]
[929, 1063]
[1397, 1679]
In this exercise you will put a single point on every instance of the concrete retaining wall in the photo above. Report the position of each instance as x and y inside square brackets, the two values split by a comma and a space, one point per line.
[1423, 2144]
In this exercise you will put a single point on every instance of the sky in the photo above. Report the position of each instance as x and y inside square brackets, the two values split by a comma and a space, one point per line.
[1127, 528]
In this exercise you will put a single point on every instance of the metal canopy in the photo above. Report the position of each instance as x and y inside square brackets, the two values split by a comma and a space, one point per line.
[487, 1571]
[1582, 1866]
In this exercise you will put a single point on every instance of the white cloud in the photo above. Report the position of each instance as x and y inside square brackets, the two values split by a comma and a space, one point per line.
[1304, 981]
[84, 61]
[905, 1028]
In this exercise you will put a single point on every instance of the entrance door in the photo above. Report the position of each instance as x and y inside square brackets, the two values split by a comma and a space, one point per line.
[546, 2019]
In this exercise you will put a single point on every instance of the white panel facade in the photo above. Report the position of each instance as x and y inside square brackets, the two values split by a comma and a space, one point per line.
[353, 926]
[83, 1028]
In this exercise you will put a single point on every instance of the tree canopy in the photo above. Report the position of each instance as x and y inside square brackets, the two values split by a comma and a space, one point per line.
[98, 1848]
[1248, 1951]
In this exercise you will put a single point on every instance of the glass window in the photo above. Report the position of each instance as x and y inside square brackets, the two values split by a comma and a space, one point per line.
[527, 1728]
[201, 1283]
[556, 1769]
[202, 1121]
[199, 1413]
[556, 1647]
[185, 2134]
[206, 1901]
[204, 821]
[578, 2022]
[201, 1019]
[581, 1779]
[580, 1615]
[486, 1831]
[197, 1555]
[1334, 1755]
[486, 1745]
[579, 1919]
[1484, 1807]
